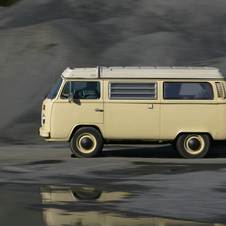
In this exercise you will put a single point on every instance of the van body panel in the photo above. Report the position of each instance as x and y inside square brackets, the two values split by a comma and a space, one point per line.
[188, 118]
[127, 119]
[221, 135]
[132, 120]
[63, 121]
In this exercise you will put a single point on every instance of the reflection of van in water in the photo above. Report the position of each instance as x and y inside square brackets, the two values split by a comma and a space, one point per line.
[63, 207]
[180, 105]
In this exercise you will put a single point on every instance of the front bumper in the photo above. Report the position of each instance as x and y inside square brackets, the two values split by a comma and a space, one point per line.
[43, 133]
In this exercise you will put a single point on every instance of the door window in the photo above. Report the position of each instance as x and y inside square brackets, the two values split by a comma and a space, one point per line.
[81, 90]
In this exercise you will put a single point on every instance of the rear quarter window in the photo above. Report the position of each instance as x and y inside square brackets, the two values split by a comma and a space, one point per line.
[188, 90]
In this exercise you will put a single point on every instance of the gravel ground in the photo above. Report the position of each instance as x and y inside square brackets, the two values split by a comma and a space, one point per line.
[159, 181]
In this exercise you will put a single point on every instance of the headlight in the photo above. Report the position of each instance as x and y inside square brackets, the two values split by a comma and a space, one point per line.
[43, 119]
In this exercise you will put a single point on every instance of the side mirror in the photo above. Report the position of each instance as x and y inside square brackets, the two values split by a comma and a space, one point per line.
[70, 98]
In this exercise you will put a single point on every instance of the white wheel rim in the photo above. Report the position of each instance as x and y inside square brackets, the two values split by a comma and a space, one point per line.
[188, 149]
[79, 145]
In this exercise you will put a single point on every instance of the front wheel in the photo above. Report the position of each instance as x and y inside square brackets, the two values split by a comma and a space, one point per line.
[86, 142]
[193, 146]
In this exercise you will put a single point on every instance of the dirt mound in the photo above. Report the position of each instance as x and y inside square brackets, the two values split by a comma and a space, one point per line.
[159, 48]
[39, 39]
[31, 60]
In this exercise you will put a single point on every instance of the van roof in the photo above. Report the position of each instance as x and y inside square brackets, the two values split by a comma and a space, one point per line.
[145, 72]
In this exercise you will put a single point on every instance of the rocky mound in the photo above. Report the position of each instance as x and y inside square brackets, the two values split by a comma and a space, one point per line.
[39, 39]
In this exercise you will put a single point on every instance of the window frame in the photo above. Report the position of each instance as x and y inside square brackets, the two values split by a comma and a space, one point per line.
[186, 98]
[62, 98]
[55, 90]
[110, 88]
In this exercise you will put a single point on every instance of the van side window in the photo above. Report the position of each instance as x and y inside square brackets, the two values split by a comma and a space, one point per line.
[188, 90]
[81, 90]
[133, 90]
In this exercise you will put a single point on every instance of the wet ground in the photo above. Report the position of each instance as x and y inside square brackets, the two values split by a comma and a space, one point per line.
[126, 185]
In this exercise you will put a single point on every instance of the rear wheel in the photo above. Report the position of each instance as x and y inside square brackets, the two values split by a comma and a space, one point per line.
[86, 142]
[192, 146]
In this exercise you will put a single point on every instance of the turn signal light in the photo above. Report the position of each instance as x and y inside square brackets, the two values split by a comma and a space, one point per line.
[44, 107]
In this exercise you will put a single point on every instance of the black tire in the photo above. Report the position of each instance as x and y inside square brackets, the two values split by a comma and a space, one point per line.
[174, 145]
[193, 146]
[86, 193]
[86, 142]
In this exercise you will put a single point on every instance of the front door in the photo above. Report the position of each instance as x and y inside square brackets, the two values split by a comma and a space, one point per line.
[85, 108]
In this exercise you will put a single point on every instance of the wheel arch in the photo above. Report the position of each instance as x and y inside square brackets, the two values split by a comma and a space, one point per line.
[182, 133]
[82, 126]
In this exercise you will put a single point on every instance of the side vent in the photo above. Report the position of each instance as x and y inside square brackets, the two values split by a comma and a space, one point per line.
[133, 90]
[220, 92]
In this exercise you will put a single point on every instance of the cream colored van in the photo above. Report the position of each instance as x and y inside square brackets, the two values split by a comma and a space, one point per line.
[184, 106]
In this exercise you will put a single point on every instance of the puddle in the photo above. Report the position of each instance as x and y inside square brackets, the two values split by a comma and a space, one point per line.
[15, 202]
[78, 206]
[24, 205]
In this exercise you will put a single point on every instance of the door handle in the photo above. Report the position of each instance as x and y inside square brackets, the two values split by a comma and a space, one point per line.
[150, 106]
[99, 110]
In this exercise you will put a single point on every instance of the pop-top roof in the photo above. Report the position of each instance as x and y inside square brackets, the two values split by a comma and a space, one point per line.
[144, 72]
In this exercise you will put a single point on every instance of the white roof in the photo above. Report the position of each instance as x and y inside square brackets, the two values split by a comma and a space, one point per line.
[80, 73]
[145, 72]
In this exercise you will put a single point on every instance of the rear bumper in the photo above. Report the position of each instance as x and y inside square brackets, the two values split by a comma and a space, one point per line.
[43, 133]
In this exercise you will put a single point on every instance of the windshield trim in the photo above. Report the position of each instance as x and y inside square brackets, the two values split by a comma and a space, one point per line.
[55, 89]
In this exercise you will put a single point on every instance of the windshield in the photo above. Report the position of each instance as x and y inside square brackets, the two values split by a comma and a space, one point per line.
[55, 90]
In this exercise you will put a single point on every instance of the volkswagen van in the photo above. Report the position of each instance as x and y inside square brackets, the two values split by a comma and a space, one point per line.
[89, 107]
